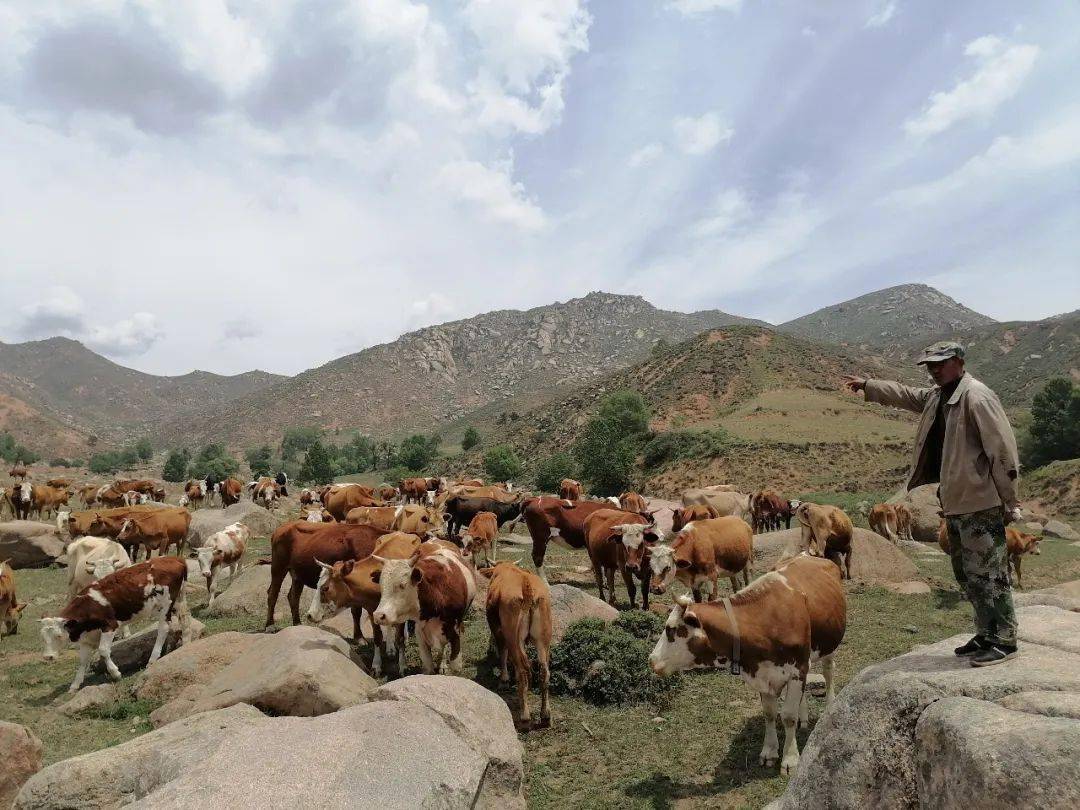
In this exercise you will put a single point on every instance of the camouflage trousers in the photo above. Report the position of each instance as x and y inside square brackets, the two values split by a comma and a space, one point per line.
[980, 561]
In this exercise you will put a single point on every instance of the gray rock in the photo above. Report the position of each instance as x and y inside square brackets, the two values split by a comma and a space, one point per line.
[132, 654]
[1065, 596]
[208, 521]
[124, 773]
[924, 505]
[1055, 528]
[246, 596]
[91, 697]
[481, 718]
[1031, 527]
[20, 753]
[569, 604]
[196, 663]
[897, 732]
[873, 558]
[301, 671]
[29, 544]
[341, 623]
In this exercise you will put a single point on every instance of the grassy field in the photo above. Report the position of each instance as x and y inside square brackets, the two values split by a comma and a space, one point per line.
[697, 749]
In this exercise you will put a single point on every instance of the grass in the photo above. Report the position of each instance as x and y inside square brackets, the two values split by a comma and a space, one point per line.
[695, 748]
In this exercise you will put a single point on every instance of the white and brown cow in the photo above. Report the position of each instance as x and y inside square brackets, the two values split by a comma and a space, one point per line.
[195, 494]
[482, 535]
[224, 548]
[770, 632]
[435, 590]
[154, 588]
[702, 552]
[826, 532]
[620, 541]
[88, 559]
[518, 611]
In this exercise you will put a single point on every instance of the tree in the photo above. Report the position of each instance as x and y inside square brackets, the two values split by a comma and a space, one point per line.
[605, 456]
[1055, 423]
[299, 440]
[144, 449]
[553, 470]
[418, 451]
[105, 463]
[213, 459]
[470, 439]
[176, 465]
[502, 463]
[627, 411]
[317, 467]
[258, 459]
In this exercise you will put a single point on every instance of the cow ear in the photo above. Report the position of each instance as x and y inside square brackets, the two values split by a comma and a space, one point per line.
[376, 575]
[485, 572]
[682, 563]
[347, 567]
[690, 620]
[416, 576]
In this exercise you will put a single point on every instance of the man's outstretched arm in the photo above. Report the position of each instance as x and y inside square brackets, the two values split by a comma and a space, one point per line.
[886, 392]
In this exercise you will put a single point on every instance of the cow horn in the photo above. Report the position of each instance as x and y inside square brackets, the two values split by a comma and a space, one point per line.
[324, 565]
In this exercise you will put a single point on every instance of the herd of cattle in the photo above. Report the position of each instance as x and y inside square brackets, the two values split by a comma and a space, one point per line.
[413, 558]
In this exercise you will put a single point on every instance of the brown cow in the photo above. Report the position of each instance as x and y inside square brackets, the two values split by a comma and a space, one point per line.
[105, 522]
[891, 520]
[518, 611]
[143, 485]
[266, 491]
[688, 514]
[22, 500]
[632, 502]
[549, 518]
[156, 529]
[768, 510]
[354, 584]
[194, 494]
[340, 500]
[112, 497]
[770, 632]
[19, 470]
[48, 499]
[414, 489]
[88, 494]
[703, 551]
[1017, 542]
[231, 490]
[153, 588]
[10, 607]
[826, 532]
[59, 483]
[297, 547]
[411, 518]
[570, 490]
[482, 535]
[388, 493]
[620, 541]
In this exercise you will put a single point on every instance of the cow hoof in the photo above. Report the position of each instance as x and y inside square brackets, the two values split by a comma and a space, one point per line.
[788, 766]
[766, 761]
[543, 722]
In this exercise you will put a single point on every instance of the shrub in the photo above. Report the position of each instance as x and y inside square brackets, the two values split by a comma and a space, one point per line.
[144, 449]
[214, 460]
[553, 470]
[60, 462]
[643, 624]
[1054, 434]
[604, 664]
[470, 439]
[418, 451]
[627, 411]
[316, 468]
[605, 456]
[676, 444]
[299, 440]
[258, 459]
[176, 465]
[502, 463]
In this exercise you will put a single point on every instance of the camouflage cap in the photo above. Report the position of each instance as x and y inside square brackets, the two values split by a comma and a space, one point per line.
[940, 352]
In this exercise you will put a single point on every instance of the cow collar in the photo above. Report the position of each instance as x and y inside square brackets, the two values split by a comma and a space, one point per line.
[736, 645]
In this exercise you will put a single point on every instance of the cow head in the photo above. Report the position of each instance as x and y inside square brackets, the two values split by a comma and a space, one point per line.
[400, 599]
[55, 635]
[184, 500]
[128, 529]
[102, 567]
[662, 565]
[314, 516]
[684, 644]
[638, 539]
[11, 622]
[334, 591]
[24, 492]
[209, 557]
[1029, 543]
[63, 519]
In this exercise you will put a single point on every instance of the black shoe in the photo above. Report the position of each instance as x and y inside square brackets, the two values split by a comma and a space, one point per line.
[977, 644]
[994, 654]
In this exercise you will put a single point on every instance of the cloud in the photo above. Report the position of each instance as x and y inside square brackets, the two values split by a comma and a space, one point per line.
[241, 329]
[696, 136]
[60, 312]
[493, 192]
[729, 209]
[645, 155]
[880, 18]
[1001, 71]
[127, 338]
[691, 8]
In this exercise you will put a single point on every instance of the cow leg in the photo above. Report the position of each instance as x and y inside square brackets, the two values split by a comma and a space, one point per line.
[357, 628]
[425, 651]
[610, 572]
[847, 563]
[86, 652]
[296, 587]
[696, 591]
[162, 633]
[521, 675]
[734, 583]
[770, 747]
[631, 587]
[272, 595]
[645, 588]
[827, 671]
[804, 710]
[456, 663]
[790, 715]
[400, 639]
[539, 549]
[105, 651]
[598, 574]
[543, 656]
[379, 643]
[1016, 565]
[315, 612]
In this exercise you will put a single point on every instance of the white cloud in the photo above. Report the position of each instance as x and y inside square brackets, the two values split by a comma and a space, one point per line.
[730, 209]
[696, 136]
[128, 337]
[1001, 71]
[691, 8]
[645, 155]
[494, 192]
[62, 312]
[241, 329]
[881, 17]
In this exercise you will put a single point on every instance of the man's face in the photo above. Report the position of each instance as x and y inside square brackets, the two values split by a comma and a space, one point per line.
[946, 371]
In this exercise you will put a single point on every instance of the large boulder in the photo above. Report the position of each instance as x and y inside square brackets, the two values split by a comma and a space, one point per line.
[301, 671]
[1065, 596]
[29, 544]
[132, 654]
[91, 697]
[568, 604]
[246, 596]
[873, 558]
[20, 753]
[193, 664]
[924, 505]
[124, 773]
[1055, 528]
[926, 729]
[480, 717]
[208, 521]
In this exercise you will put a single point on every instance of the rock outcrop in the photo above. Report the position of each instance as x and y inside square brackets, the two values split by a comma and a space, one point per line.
[246, 596]
[20, 755]
[924, 505]
[208, 521]
[568, 604]
[30, 544]
[873, 558]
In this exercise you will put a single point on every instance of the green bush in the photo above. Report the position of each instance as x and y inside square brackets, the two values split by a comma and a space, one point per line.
[176, 466]
[145, 449]
[417, 452]
[604, 664]
[317, 467]
[1054, 434]
[11, 451]
[643, 624]
[213, 459]
[470, 439]
[553, 470]
[502, 463]
[258, 459]
[605, 456]
[60, 462]
[675, 444]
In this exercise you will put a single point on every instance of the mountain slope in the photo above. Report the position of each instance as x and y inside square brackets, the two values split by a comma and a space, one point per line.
[439, 373]
[65, 381]
[886, 316]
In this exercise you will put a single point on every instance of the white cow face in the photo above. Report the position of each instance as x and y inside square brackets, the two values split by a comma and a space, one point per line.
[102, 567]
[400, 600]
[54, 635]
[636, 540]
[675, 649]
[25, 492]
[205, 556]
[662, 565]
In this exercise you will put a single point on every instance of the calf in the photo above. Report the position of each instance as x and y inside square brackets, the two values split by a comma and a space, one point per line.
[689, 514]
[770, 632]
[88, 559]
[49, 499]
[632, 502]
[569, 489]
[309, 498]
[224, 548]
[297, 547]
[10, 607]
[891, 521]
[388, 493]
[482, 535]
[554, 518]
[157, 529]
[703, 551]
[195, 492]
[318, 515]
[92, 618]
[826, 532]
[340, 500]
[59, 483]
[19, 470]
[620, 541]
[767, 510]
[354, 584]
[133, 498]
[518, 610]
[266, 493]
[435, 590]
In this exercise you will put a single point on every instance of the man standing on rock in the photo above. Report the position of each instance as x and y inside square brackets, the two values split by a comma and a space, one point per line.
[966, 444]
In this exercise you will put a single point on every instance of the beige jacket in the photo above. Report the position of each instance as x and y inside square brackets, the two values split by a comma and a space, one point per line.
[979, 461]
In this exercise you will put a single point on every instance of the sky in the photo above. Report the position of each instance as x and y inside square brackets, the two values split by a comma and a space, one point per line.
[232, 184]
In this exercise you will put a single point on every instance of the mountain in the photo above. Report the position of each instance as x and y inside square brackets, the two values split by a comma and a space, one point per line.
[746, 405]
[887, 316]
[440, 373]
[65, 383]
[1014, 358]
